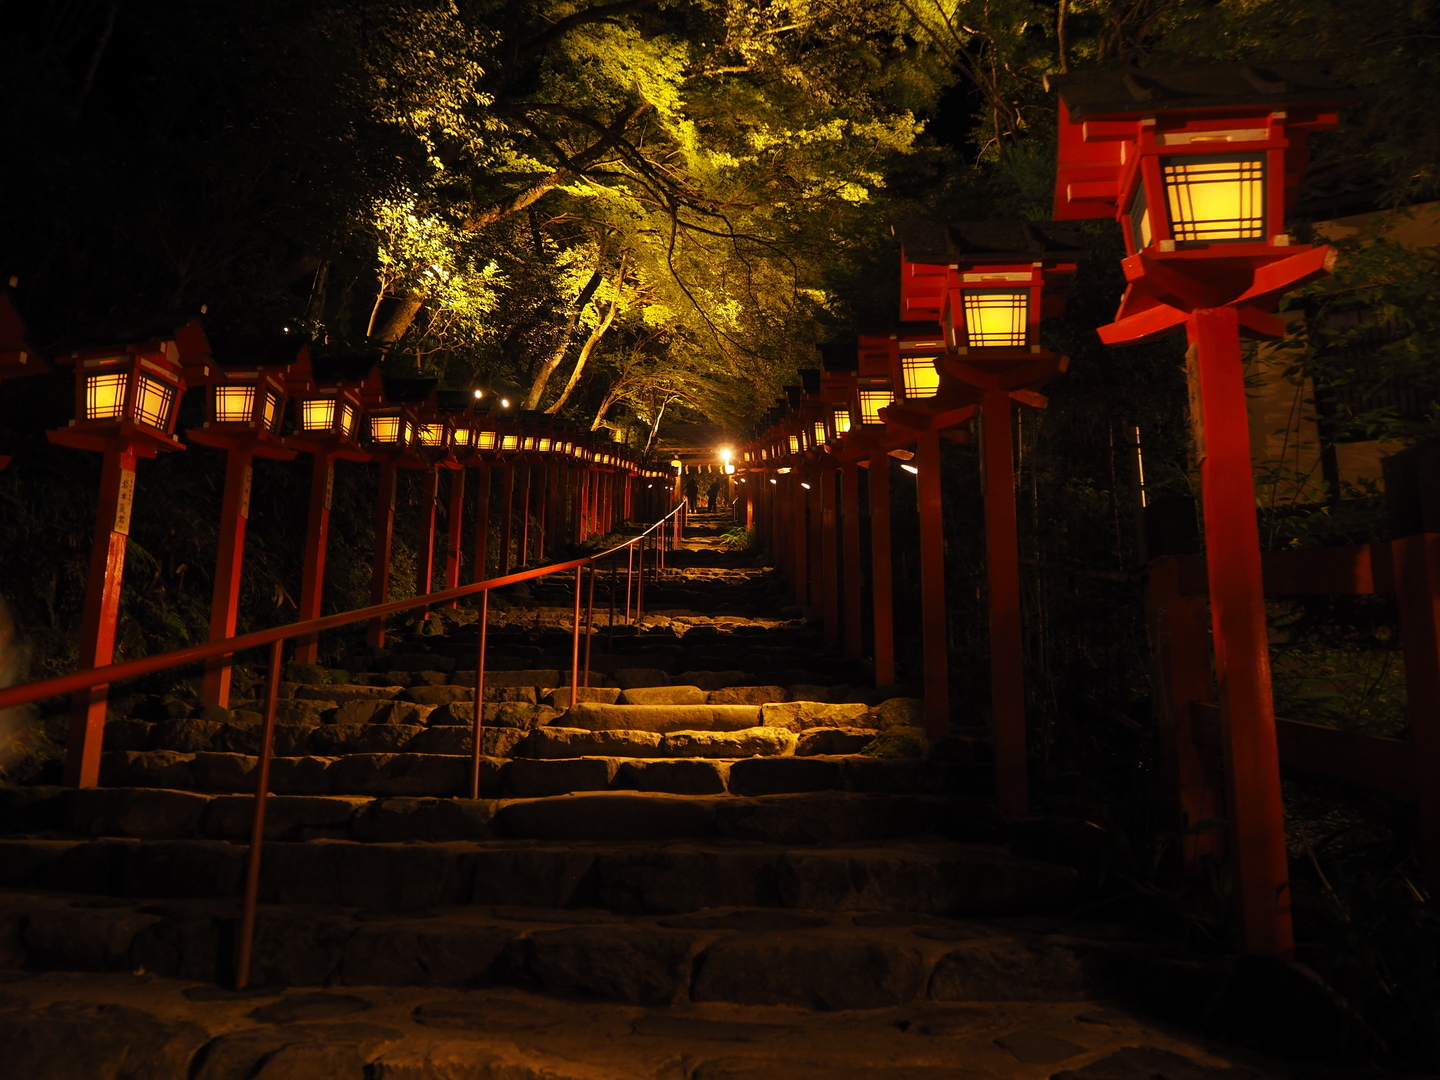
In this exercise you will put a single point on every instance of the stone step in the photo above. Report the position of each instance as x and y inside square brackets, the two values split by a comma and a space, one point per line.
[444, 775]
[816, 958]
[928, 876]
[158, 814]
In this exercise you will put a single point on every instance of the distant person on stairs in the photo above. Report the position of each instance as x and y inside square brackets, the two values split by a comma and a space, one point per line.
[717, 491]
[692, 491]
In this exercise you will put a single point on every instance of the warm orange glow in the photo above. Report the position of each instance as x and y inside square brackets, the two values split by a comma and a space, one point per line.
[842, 421]
[819, 433]
[510, 442]
[153, 401]
[996, 318]
[386, 429]
[544, 444]
[351, 417]
[871, 402]
[105, 397]
[272, 410]
[1215, 198]
[431, 434]
[462, 436]
[921, 378]
[234, 404]
[485, 440]
[317, 414]
[794, 443]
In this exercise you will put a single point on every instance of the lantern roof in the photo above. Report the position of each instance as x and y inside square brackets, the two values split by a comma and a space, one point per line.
[810, 380]
[333, 370]
[1090, 95]
[839, 355]
[952, 243]
[277, 352]
[455, 401]
[17, 355]
[410, 391]
[180, 338]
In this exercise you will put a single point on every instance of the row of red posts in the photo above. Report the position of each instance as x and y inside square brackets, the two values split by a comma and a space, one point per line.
[1200, 167]
[540, 482]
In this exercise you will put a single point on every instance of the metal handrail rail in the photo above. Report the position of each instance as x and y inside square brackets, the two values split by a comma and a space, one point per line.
[277, 636]
[58, 685]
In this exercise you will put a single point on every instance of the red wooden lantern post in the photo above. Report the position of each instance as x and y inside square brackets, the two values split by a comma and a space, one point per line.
[486, 444]
[1200, 166]
[919, 417]
[17, 356]
[989, 284]
[244, 415]
[457, 405]
[126, 398]
[329, 414]
[435, 450]
[392, 433]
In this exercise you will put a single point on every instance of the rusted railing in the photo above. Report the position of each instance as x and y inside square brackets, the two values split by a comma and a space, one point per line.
[659, 537]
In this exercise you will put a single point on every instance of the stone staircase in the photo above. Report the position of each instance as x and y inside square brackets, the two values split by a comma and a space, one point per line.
[729, 816]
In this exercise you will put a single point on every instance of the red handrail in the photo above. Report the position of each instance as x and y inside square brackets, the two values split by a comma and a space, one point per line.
[276, 637]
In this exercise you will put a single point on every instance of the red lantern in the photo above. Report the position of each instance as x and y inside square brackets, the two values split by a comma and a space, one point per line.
[1200, 166]
[126, 400]
[245, 410]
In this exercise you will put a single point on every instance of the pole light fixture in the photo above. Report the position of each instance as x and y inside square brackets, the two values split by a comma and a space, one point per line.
[1200, 166]
[126, 398]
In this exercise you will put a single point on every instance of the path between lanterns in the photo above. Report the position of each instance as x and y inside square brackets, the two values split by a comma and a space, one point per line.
[729, 860]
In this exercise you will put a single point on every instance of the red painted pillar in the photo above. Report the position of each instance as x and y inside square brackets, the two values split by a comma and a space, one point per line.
[102, 612]
[799, 539]
[425, 557]
[850, 574]
[1416, 561]
[482, 524]
[1242, 650]
[384, 541]
[507, 515]
[882, 598]
[815, 534]
[542, 512]
[829, 600]
[1007, 648]
[225, 596]
[933, 628]
[317, 539]
[455, 524]
[526, 481]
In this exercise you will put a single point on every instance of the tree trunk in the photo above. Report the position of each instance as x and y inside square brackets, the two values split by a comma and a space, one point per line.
[551, 362]
[398, 321]
[585, 351]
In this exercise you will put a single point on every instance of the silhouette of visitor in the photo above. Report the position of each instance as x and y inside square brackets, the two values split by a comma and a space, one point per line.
[716, 487]
[692, 491]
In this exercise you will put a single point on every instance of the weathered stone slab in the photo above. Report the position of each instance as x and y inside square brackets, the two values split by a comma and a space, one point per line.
[710, 679]
[299, 948]
[83, 939]
[904, 776]
[99, 1042]
[497, 741]
[399, 774]
[833, 741]
[224, 773]
[558, 742]
[630, 678]
[609, 816]
[559, 697]
[747, 695]
[676, 879]
[347, 692]
[686, 777]
[661, 695]
[287, 817]
[513, 714]
[541, 877]
[440, 695]
[749, 742]
[521, 677]
[147, 768]
[536, 777]
[640, 965]
[799, 715]
[824, 817]
[382, 712]
[661, 718]
[1002, 970]
[300, 775]
[422, 953]
[126, 734]
[302, 710]
[143, 813]
[285, 1051]
[810, 972]
[784, 775]
[427, 661]
[335, 739]
[900, 712]
[431, 820]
